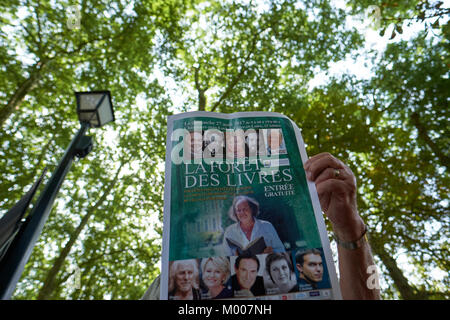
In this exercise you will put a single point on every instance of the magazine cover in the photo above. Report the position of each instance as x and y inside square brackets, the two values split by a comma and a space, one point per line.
[241, 221]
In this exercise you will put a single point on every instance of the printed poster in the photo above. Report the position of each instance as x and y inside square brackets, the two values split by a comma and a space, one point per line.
[241, 221]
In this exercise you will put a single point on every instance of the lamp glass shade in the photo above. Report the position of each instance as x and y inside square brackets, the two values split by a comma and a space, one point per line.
[105, 112]
[89, 101]
[95, 107]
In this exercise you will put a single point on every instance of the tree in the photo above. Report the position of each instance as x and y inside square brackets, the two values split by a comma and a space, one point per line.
[114, 48]
[102, 47]
[411, 91]
[222, 56]
[236, 53]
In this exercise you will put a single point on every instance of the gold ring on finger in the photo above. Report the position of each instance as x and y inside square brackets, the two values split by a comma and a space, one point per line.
[337, 173]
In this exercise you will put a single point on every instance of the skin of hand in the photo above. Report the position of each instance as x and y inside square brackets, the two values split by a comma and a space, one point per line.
[337, 194]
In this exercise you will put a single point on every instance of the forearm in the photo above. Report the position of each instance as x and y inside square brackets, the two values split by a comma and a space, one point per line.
[358, 276]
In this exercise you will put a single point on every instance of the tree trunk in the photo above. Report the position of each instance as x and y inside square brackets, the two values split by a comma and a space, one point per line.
[50, 283]
[201, 100]
[407, 291]
[201, 92]
[423, 134]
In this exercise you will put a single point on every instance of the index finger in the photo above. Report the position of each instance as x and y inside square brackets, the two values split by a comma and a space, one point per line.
[315, 158]
[316, 164]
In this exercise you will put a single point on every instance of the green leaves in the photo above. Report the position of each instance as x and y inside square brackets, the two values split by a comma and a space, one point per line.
[160, 57]
[249, 49]
[410, 88]
[397, 14]
[115, 48]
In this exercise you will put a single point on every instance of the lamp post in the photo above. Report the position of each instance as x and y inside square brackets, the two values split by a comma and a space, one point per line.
[94, 110]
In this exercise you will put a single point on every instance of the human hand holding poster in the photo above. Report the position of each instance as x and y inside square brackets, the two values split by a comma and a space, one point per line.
[231, 180]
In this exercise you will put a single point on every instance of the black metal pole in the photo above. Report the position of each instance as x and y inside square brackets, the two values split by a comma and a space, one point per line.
[13, 263]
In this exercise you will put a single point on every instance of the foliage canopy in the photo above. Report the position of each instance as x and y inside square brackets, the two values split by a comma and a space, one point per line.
[160, 57]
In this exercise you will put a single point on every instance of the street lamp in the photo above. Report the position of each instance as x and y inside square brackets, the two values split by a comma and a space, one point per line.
[95, 107]
[94, 110]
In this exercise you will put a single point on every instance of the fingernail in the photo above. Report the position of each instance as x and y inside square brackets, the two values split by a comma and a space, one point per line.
[308, 175]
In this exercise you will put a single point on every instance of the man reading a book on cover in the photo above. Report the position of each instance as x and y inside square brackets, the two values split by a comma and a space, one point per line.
[249, 234]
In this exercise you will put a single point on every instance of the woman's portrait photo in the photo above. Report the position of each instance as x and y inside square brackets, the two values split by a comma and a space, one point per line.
[280, 275]
[215, 275]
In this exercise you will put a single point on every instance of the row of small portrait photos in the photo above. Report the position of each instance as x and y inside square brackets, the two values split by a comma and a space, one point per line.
[283, 275]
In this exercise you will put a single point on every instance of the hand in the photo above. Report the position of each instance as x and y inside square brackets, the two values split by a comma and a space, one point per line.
[336, 187]
[268, 250]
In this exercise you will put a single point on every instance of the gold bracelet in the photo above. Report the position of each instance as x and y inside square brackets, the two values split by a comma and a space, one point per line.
[352, 245]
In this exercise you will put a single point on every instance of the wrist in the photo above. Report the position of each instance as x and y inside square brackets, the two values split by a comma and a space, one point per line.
[352, 245]
[351, 231]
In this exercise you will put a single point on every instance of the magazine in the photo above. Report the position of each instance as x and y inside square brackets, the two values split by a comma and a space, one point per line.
[241, 221]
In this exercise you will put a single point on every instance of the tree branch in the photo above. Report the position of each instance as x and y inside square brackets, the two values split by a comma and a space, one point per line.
[41, 43]
[238, 76]
[423, 134]
[24, 88]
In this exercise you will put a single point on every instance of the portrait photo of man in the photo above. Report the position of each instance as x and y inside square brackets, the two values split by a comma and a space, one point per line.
[247, 227]
[246, 282]
[310, 267]
[184, 280]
